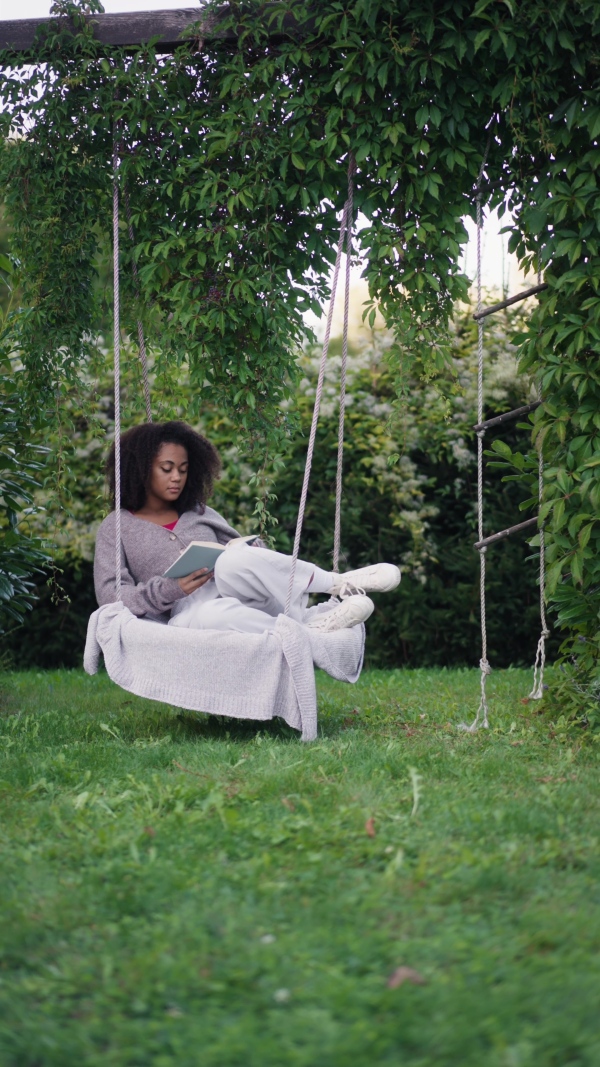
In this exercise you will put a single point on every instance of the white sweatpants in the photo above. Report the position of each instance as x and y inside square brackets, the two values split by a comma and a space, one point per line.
[249, 591]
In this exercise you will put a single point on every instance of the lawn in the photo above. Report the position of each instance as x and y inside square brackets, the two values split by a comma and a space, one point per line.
[184, 891]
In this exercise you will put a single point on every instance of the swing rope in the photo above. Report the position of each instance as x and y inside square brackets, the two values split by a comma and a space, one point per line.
[481, 717]
[537, 690]
[484, 666]
[337, 532]
[117, 348]
[140, 328]
[345, 228]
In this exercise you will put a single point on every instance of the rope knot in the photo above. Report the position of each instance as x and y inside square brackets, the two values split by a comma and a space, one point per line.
[484, 666]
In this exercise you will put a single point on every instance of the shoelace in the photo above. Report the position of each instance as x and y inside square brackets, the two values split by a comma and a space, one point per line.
[348, 589]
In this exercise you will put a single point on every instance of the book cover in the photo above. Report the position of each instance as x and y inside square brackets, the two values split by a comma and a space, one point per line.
[199, 554]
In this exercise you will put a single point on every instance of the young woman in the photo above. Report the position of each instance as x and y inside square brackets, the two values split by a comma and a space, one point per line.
[167, 475]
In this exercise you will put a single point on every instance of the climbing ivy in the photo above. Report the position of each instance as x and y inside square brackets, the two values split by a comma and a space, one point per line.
[234, 157]
[22, 555]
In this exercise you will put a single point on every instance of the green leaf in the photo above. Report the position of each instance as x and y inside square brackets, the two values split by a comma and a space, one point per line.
[7, 588]
[382, 74]
[584, 534]
[592, 118]
[481, 38]
[577, 567]
[537, 220]
[565, 40]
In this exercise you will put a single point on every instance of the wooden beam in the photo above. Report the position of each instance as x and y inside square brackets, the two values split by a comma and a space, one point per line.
[491, 540]
[128, 29]
[511, 300]
[508, 416]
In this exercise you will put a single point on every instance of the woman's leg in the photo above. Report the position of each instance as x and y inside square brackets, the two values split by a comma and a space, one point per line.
[225, 613]
[252, 586]
[259, 579]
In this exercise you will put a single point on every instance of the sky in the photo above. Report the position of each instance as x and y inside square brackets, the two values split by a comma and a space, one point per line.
[499, 271]
[33, 9]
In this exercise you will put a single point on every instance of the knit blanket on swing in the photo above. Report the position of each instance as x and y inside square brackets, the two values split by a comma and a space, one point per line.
[243, 676]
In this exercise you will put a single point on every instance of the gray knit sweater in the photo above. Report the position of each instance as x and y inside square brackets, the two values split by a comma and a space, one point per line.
[147, 550]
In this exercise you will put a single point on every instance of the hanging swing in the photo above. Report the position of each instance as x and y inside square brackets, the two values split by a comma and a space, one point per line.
[482, 543]
[241, 675]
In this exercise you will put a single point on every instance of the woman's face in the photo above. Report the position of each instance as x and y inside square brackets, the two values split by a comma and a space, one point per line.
[169, 473]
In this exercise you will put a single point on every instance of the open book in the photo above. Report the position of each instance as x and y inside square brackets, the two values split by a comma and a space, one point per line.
[199, 554]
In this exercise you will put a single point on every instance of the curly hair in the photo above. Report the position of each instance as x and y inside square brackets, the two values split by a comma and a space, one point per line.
[139, 448]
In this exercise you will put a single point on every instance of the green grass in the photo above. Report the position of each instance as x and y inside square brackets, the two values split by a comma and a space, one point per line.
[186, 891]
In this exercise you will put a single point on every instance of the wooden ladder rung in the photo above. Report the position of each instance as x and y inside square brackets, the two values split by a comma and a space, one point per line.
[508, 416]
[491, 540]
[511, 300]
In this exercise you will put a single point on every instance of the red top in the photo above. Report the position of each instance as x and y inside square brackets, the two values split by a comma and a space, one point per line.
[167, 525]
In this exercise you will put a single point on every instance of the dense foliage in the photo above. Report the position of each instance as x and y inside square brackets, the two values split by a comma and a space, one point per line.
[21, 556]
[234, 157]
[21, 462]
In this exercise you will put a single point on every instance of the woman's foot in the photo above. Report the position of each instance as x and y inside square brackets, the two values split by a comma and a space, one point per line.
[378, 578]
[352, 611]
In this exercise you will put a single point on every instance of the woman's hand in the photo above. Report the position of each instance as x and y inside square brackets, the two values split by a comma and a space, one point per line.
[193, 581]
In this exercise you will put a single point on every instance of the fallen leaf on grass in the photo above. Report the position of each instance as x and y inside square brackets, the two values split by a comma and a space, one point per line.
[551, 778]
[288, 804]
[370, 827]
[513, 744]
[186, 770]
[402, 975]
[150, 831]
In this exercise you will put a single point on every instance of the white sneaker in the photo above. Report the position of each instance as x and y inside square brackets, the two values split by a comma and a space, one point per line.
[351, 611]
[378, 578]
